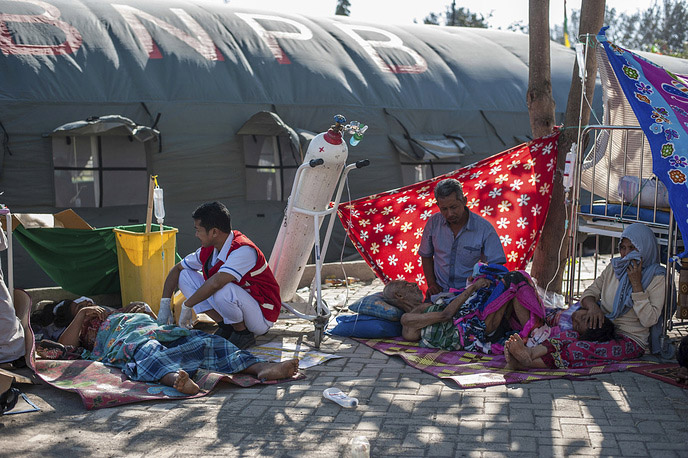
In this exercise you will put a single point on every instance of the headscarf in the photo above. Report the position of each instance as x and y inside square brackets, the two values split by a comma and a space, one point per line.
[645, 242]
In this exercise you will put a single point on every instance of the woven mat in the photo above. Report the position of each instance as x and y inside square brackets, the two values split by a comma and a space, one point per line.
[664, 372]
[103, 386]
[476, 370]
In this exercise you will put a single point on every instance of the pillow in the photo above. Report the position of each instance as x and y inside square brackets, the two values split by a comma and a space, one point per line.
[628, 191]
[375, 305]
[364, 326]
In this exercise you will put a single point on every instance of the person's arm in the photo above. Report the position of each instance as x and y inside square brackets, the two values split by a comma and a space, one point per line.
[139, 307]
[172, 281]
[649, 303]
[594, 314]
[493, 249]
[71, 335]
[460, 300]
[420, 308]
[429, 272]
[426, 251]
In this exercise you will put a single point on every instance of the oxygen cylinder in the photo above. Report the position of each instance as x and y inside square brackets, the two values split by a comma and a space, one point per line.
[313, 192]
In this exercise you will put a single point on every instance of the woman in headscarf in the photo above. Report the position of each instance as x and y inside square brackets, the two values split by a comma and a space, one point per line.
[630, 292]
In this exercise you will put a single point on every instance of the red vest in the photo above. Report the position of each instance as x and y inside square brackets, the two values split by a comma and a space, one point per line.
[259, 282]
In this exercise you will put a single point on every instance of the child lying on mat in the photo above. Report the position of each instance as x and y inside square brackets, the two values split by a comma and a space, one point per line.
[581, 346]
[149, 352]
[630, 293]
[497, 304]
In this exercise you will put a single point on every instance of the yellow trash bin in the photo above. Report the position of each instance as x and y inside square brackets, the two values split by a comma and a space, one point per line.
[144, 262]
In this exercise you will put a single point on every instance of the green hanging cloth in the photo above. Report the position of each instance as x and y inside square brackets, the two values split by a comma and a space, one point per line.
[81, 261]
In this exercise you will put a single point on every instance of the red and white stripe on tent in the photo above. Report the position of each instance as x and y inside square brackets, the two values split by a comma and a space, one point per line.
[512, 190]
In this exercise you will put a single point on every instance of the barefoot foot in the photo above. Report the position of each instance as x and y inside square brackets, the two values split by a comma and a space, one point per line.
[274, 371]
[507, 356]
[181, 382]
[519, 352]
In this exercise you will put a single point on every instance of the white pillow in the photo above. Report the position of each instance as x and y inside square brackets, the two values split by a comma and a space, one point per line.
[628, 190]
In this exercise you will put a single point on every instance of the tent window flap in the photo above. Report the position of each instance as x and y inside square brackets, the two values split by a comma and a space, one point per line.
[427, 156]
[272, 153]
[101, 162]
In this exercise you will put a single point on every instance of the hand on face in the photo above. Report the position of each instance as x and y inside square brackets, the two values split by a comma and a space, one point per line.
[635, 272]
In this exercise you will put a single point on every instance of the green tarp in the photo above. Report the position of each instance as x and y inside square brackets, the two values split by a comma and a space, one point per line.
[81, 261]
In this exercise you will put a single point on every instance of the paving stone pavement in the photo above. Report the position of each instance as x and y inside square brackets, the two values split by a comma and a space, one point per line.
[402, 412]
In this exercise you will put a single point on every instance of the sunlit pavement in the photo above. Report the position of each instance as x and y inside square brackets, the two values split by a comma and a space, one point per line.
[402, 412]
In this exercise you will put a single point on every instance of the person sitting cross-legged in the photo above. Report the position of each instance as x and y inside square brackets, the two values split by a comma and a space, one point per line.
[454, 240]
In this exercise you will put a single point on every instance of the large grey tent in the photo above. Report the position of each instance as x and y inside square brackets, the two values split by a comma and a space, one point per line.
[219, 103]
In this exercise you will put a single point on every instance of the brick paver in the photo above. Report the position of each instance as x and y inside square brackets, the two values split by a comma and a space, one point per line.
[402, 412]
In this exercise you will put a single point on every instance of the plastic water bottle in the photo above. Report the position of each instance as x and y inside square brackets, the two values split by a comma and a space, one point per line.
[336, 395]
[158, 205]
[360, 447]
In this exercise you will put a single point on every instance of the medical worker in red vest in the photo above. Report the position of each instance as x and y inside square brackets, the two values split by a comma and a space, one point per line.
[227, 278]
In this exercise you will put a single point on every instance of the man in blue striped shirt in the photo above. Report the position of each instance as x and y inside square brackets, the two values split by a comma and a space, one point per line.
[454, 240]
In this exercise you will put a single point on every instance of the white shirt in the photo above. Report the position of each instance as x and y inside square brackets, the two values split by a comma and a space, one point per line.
[237, 263]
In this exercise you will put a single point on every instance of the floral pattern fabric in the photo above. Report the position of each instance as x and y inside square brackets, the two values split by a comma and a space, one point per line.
[566, 351]
[512, 190]
[659, 100]
[122, 333]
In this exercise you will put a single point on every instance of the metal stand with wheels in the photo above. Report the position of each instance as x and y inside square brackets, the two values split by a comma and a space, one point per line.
[321, 312]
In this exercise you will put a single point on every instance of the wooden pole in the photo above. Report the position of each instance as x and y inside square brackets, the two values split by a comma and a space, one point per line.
[149, 210]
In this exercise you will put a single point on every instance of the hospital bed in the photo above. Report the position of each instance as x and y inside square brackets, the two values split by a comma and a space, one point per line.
[614, 187]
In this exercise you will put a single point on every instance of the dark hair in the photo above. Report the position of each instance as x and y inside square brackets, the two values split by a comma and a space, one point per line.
[48, 315]
[604, 334]
[213, 215]
[682, 352]
[446, 188]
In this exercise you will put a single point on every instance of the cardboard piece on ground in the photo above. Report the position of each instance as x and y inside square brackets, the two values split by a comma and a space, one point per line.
[5, 382]
[6, 374]
[67, 219]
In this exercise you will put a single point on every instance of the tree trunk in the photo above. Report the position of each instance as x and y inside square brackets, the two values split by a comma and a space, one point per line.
[539, 97]
[550, 255]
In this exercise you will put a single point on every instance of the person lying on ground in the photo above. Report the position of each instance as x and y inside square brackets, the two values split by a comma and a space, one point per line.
[630, 291]
[579, 347]
[682, 358]
[474, 320]
[50, 321]
[147, 351]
